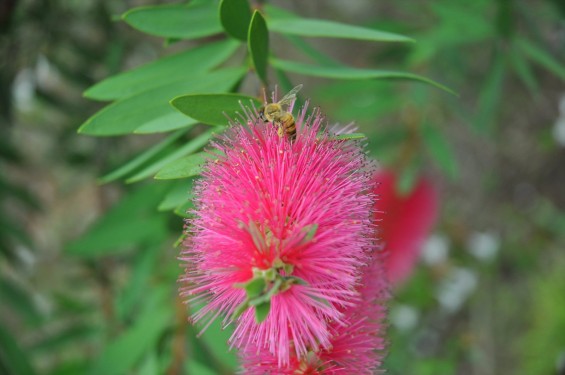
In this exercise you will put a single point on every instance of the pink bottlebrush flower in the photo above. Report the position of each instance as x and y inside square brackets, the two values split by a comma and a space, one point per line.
[404, 221]
[294, 216]
[357, 343]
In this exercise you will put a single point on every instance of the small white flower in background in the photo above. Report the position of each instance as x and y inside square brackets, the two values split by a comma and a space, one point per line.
[404, 317]
[559, 126]
[456, 288]
[483, 245]
[435, 250]
[43, 71]
[23, 89]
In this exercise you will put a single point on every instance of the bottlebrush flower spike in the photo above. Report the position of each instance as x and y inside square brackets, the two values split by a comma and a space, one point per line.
[280, 231]
[357, 344]
[403, 222]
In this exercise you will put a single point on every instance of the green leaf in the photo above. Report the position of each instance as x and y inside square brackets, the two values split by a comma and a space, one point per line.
[177, 195]
[164, 124]
[120, 355]
[490, 97]
[440, 150]
[189, 148]
[316, 56]
[12, 356]
[104, 240]
[183, 209]
[130, 222]
[11, 229]
[142, 158]
[177, 20]
[216, 340]
[542, 57]
[275, 13]
[258, 44]
[70, 367]
[286, 85]
[262, 311]
[163, 71]
[16, 298]
[523, 70]
[344, 72]
[188, 166]
[149, 365]
[143, 267]
[340, 137]
[192, 366]
[212, 109]
[331, 29]
[235, 16]
[150, 112]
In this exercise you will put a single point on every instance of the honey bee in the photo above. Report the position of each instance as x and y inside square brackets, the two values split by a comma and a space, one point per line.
[275, 113]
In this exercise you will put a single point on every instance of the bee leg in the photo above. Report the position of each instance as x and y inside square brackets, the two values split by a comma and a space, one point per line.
[280, 131]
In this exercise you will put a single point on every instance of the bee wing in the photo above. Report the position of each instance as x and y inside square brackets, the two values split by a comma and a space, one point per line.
[288, 98]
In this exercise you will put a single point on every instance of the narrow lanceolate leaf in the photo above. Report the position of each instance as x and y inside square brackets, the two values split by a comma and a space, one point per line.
[12, 358]
[193, 366]
[215, 341]
[213, 109]
[316, 56]
[235, 16]
[184, 209]
[343, 72]
[278, 14]
[330, 29]
[150, 112]
[185, 167]
[119, 356]
[163, 71]
[20, 301]
[523, 70]
[348, 136]
[490, 96]
[258, 44]
[440, 150]
[189, 148]
[142, 158]
[176, 21]
[179, 194]
[132, 221]
[542, 57]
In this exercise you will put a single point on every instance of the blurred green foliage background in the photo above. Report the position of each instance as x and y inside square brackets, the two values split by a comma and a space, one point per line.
[88, 265]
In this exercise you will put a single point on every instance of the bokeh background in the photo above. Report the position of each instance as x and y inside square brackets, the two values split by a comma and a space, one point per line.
[88, 270]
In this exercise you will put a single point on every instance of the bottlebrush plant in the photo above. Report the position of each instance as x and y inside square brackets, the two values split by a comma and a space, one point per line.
[404, 221]
[280, 230]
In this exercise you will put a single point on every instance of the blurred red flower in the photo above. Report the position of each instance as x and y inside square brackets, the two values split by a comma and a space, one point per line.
[404, 221]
